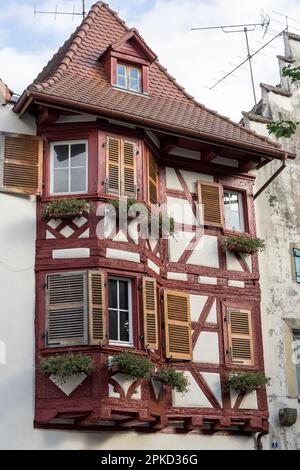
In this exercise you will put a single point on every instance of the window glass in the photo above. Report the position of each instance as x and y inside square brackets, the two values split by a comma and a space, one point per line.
[123, 289]
[129, 77]
[61, 156]
[112, 293]
[78, 180]
[233, 211]
[61, 180]
[121, 76]
[78, 155]
[69, 168]
[297, 264]
[296, 335]
[124, 326]
[120, 314]
[134, 79]
[113, 325]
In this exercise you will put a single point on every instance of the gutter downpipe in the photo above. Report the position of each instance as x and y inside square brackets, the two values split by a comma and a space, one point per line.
[258, 438]
[267, 183]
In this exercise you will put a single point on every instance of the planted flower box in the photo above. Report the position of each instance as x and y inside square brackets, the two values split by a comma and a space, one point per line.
[243, 244]
[65, 208]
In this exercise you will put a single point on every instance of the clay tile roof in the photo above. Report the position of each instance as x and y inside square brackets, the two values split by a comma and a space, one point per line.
[75, 76]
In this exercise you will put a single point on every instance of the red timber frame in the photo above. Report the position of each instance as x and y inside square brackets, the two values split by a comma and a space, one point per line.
[90, 407]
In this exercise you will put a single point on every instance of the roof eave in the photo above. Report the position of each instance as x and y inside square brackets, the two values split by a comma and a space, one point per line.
[277, 153]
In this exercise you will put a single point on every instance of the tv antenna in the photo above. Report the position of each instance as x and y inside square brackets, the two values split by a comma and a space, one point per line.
[56, 12]
[242, 28]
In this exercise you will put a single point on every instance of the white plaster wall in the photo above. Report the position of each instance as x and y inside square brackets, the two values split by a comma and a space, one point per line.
[17, 302]
[207, 348]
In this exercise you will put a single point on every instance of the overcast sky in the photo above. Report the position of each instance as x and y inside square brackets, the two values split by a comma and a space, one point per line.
[196, 58]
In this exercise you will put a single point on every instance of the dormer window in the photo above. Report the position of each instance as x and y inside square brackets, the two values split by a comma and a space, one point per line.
[129, 78]
[127, 62]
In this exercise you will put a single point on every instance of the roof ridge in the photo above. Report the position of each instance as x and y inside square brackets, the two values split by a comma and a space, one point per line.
[67, 52]
[73, 42]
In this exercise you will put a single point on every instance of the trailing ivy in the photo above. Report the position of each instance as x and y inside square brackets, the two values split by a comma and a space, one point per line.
[138, 366]
[242, 244]
[292, 72]
[176, 379]
[282, 129]
[246, 381]
[65, 207]
[64, 366]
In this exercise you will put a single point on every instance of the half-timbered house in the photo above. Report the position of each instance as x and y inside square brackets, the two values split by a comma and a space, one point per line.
[112, 123]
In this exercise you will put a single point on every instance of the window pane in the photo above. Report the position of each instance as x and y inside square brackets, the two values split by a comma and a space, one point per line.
[134, 73]
[121, 76]
[61, 181]
[123, 293]
[134, 85]
[78, 155]
[112, 293]
[124, 326]
[233, 211]
[78, 180]
[296, 348]
[113, 325]
[61, 156]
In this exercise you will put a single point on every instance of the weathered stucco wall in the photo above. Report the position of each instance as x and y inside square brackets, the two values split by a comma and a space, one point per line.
[278, 222]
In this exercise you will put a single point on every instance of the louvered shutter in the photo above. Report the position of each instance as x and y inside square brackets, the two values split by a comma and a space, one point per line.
[96, 307]
[150, 313]
[152, 180]
[178, 325]
[113, 165]
[210, 195]
[128, 170]
[240, 337]
[21, 164]
[66, 314]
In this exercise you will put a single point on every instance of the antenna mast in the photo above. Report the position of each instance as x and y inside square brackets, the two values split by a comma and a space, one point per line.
[245, 28]
[56, 12]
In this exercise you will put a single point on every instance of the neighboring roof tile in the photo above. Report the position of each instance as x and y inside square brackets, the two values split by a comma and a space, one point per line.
[75, 74]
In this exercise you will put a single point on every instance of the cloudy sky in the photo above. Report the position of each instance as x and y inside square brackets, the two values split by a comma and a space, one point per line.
[196, 58]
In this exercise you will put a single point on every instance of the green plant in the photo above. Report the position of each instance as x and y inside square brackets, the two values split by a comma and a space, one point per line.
[282, 128]
[139, 367]
[246, 381]
[64, 366]
[61, 207]
[176, 379]
[165, 228]
[242, 244]
[116, 203]
[292, 72]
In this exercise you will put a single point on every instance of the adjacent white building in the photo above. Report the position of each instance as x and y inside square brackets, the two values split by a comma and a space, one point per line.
[278, 222]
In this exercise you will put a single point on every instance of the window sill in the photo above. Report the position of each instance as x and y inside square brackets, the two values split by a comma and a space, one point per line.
[135, 93]
[232, 233]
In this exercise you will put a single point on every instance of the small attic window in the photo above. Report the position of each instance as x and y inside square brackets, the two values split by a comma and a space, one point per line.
[129, 78]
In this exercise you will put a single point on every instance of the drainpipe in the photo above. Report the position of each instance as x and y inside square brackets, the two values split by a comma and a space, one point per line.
[264, 186]
[258, 438]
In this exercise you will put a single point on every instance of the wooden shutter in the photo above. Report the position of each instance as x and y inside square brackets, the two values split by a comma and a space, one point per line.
[21, 164]
[128, 170]
[211, 196]
[178, 325]
[66, 318]
[113, 165]
[96, 307]
[152, 180]
[240, 336]
[150, 313]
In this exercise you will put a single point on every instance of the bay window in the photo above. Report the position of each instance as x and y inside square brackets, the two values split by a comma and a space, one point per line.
[69, 167]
